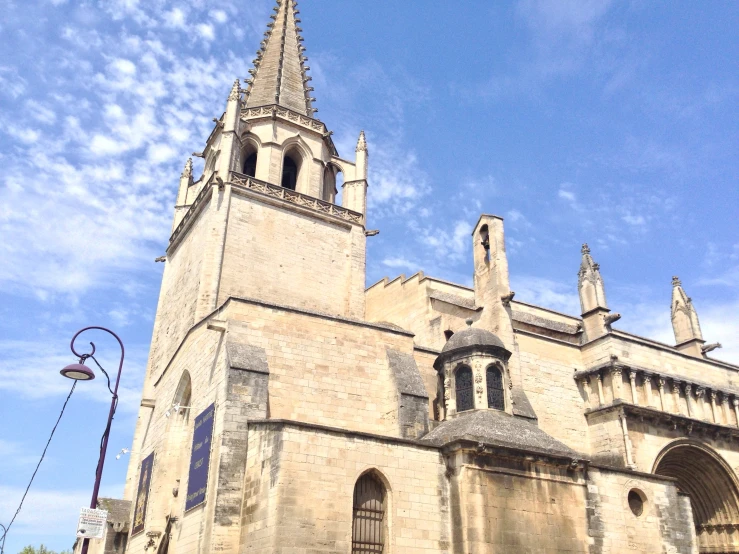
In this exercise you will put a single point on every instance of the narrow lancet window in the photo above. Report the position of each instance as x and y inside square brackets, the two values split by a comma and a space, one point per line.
[464, 388]
[496, 399]
[368, 521]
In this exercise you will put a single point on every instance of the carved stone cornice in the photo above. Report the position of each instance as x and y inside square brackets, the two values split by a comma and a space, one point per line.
[688, 425]
[274, 111]
[690, 384]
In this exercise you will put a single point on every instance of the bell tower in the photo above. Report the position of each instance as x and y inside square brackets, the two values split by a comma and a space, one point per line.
[262, 222]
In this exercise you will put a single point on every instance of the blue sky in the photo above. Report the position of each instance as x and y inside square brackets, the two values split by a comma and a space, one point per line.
[612, 123]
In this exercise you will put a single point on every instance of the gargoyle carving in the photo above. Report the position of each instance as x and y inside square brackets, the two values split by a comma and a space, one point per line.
[706, 348]
[611, 318]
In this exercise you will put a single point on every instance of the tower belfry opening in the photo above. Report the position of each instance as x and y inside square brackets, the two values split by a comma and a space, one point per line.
[250, 165]
[290, 169]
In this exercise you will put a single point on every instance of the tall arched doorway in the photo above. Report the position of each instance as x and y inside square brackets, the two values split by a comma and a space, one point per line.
[713, 491]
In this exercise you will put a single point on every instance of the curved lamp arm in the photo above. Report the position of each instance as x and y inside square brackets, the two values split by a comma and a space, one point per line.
[113, 403]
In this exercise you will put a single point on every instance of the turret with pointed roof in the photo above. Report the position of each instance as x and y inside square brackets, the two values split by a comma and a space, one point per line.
[590, 283]
[596, 316]
[685, 324]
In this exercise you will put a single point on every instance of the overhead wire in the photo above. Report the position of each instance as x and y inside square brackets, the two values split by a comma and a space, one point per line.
[43, 455]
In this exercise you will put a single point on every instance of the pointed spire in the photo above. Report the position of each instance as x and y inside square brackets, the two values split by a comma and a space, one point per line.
[590, 284]
[362, 143]
[235, 91]
[685, 322]
[279, 75]
[187, 172]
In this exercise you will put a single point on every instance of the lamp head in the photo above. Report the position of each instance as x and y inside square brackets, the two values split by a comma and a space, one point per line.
[78, 372]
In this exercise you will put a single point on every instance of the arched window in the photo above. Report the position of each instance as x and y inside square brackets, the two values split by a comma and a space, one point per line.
[485, 241]
[250, 165]
[368, 521]
[496, 398]
[291, 169]
[464, 388]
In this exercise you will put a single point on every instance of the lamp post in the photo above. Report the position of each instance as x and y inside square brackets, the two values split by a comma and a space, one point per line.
[80, 372]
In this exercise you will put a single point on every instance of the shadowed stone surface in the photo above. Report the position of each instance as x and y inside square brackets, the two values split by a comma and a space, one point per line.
[497, 428]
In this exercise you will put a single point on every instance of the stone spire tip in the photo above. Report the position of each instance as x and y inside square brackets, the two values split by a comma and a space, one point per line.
[362, 142]
[676, 281]
[188, 168]
[235, 91]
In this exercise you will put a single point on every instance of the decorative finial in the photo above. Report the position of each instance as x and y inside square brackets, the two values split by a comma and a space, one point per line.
[187, 173]
[676, 281]
[585, 248]
[468, 322]
[362, 143]
[235, 91]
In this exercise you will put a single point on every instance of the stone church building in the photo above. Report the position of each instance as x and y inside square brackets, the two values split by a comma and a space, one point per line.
[288, 409]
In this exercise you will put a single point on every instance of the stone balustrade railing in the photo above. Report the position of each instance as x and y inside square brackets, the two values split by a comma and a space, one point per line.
[275, 191]
[618, 382]
[267, 189]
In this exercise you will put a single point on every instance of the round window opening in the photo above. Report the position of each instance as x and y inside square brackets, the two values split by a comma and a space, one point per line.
[636, 502]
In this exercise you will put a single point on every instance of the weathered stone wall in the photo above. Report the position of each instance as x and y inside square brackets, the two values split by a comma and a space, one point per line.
[507, 505]
[666, 524]
[547, 369]
[325, 370]
[300, 482]
[415, 304]
[204, 359]
[178, 297]
[276, 254]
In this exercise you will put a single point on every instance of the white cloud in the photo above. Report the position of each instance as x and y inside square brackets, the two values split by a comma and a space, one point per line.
[23, 134]
[102, 145]
[634, 219]
[161, 153]
[40, 112]
[396, 262]
[123, 67]
[42, 360]
[547, 294]
[398, 182]
[47, 513]
[206, 31]
[175, 18]
[219, 16]
[568, 195]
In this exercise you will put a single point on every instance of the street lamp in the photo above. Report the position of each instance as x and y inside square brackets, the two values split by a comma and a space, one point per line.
[80, 372]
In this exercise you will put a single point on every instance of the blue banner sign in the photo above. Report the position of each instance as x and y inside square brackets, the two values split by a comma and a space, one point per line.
[142, 496]
[197, 482]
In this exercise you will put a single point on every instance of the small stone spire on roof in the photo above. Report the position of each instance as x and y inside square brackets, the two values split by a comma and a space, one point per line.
[590, 283]
[187, 172]
[235, 91]
[362, 143]
[280, 74]
[685, 322]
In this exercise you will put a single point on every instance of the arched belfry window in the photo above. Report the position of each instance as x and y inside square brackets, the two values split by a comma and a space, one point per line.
[485, 241]
[250, 165]
[464, 388]
[291, 169]
[496, 398]
[368, 521]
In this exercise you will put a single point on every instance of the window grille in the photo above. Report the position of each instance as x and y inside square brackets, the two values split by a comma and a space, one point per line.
[368, 523]
[465, 389]
[496, 398]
